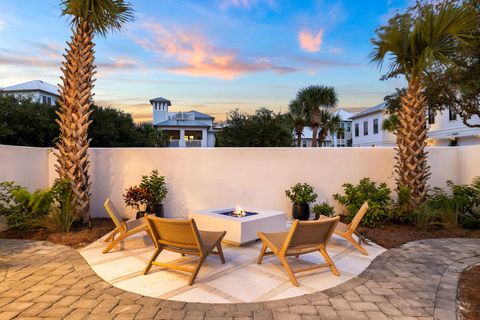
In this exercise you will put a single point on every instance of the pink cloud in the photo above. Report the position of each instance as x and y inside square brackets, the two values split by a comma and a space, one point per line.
[310, 42]
[196, 56]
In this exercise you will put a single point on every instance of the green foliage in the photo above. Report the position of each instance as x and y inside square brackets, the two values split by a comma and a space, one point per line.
[459, 206]
[62, 212]
[262, 129]
[24, 122]
[301, 193]
[423, 37]
[156, 188]
[102, 15]
[378, 197]
[22, 208]
[323, 208]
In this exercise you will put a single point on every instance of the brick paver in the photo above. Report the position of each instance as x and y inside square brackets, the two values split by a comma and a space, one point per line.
[416, 281]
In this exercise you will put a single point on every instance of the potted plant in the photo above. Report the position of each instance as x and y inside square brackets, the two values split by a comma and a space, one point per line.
[156, 189]
[301, 195]
[136, 198]
[324, 209]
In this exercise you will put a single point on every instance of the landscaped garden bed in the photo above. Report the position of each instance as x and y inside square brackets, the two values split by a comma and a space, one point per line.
[469, 289]
[79, 235]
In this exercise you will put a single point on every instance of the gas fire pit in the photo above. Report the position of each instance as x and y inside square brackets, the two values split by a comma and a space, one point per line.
[241, 224]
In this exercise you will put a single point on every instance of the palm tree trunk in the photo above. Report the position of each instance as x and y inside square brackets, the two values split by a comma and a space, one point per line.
[299, 138]
[411, 168]
[321, 137]
[73, 117]
[314, 136]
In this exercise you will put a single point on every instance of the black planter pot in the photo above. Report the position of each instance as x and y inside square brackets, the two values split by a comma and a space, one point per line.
[141, 214]
[158, 210]
[301, 211]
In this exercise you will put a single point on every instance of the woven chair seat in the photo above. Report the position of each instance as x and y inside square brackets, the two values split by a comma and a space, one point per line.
[210, 238]
[276, 240]
[341, 227]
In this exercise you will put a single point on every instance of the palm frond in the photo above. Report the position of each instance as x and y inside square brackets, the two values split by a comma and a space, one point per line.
[102, 15]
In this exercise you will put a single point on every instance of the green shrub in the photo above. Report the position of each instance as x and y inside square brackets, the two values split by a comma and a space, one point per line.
[323, 208]
[156, 189]
[378, 197]
[459, 206]
[301, 193]
[62, 212]
[21, 208]
[401, 211]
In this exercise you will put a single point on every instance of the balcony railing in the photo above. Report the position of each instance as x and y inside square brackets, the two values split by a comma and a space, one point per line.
[193, 143]
[174, 143]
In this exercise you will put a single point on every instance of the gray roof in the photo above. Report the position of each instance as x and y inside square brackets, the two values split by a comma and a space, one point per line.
[183, 123]
[160, 99]
[199, 115]
[34, 85]
[365, 112]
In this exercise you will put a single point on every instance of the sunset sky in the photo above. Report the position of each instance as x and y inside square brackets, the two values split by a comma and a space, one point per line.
[212, 56]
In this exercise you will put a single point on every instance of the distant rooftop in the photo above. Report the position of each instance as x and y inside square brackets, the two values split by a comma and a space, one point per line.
[34, 85]
[365, 112]
[183, 123]
[199, 115]
[160, 99]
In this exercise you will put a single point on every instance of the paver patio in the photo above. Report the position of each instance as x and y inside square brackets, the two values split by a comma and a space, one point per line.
[417, 281]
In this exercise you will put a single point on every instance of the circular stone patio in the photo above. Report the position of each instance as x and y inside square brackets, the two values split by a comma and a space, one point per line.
[419, 280]
[240, 279]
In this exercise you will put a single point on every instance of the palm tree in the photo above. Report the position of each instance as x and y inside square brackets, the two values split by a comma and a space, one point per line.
[329, 123]
[87, 17]
[412, 43]
[296, 112]
[314, 99]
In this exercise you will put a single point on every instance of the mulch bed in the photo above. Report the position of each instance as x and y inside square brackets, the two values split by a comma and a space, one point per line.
[469, 293]
[79, 236]
[392, 235]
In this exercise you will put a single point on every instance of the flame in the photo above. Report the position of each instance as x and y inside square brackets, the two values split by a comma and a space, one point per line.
[239, 212]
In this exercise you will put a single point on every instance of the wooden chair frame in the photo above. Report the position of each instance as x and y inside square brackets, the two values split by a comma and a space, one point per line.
[121, 228]
[286, 250]
[352, 227]
[198, 249]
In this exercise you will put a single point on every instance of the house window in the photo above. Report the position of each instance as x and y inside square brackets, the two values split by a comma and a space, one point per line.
[348, 127]
[44, 99]
[49, 100]
[452, 115]
[365, 128]
[375, 126]
[431, 117]
[357, 130]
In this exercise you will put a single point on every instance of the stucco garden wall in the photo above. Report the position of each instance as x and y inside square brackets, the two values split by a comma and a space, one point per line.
[216, 177]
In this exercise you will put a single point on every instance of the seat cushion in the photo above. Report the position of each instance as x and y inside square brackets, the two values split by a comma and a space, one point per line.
[274, 240]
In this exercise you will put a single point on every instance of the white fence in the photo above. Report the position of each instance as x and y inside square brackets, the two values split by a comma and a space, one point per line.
[215, 177]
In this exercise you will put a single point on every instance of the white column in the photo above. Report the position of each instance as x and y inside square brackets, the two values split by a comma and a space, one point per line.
[182, 143]
[204, 138]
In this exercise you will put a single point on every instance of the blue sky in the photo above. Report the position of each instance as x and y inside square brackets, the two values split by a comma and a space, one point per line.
[212, 56]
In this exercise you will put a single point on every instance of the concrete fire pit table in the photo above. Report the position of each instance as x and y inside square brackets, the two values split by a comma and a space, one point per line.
[241, 227]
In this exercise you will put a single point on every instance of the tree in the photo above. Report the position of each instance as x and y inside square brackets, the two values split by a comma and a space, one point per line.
[295, 109]
[413, 43]
[314, 99]
[329, 123]
[87, 18]
[24, 122]
[262, 129]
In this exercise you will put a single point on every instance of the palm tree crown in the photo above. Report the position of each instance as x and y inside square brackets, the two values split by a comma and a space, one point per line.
[102, 15]
[414, 43]
[314, 99]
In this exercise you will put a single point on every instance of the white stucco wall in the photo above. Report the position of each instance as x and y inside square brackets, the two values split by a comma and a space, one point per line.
[24, 165]
[214, 177]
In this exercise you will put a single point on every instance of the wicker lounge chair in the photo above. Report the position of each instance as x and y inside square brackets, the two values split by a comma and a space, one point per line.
[182, 236]
[346, 231]
[124, 229]
[303, 237]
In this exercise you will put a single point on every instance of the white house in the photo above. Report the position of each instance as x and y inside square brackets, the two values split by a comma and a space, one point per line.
[37, 90]
[444, 128]
[343, 138]
[184, 129]
[367, 128]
